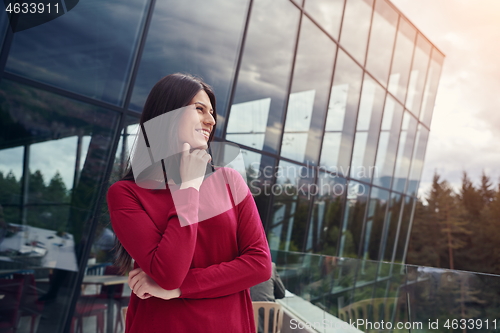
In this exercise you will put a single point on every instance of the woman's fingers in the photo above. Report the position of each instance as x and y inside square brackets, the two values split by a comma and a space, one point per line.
[193, 166]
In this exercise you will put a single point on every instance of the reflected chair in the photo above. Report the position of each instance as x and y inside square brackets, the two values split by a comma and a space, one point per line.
[276, 320]
[10, 302]
[114, 292]
[86, 307]
[30, 305]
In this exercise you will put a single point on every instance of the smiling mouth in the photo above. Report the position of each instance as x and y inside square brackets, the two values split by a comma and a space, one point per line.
[204, 132]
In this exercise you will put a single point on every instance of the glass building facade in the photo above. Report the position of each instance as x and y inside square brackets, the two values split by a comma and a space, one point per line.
[330, 101]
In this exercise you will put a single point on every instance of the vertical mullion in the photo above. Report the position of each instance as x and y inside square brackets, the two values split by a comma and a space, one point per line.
[237, 70]
[283, 117]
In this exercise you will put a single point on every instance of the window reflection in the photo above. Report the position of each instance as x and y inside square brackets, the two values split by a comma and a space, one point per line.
[324, 228]
[259, 170]
[405, 149]
[382, 36]
[94, 61]
[401, 63]
[308, 100]
[175, 44]
[11, 171]
[292, 197]
[341, 119]
[352, 224]
[388, 143]
[298, 122]
[247, 123]
[391, 227]
[355, 28]
[431, 87]
[404, 229]
[55, 148]
[263, 81]
[417, 160]
[4, 25]
[379, 200]
[328, 13]
[367, 130]
[417, 75]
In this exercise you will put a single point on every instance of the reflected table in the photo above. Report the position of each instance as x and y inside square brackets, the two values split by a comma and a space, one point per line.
[110, 281]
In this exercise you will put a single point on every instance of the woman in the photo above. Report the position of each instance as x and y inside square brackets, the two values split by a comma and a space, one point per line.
[198, 243]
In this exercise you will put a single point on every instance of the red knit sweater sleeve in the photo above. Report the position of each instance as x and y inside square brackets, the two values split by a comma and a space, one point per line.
[251, 267]
[164, 255]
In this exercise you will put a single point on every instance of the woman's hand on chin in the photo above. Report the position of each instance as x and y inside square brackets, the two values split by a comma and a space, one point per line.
[145, 287]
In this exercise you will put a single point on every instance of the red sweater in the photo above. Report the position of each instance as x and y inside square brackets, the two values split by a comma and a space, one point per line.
[210, 244]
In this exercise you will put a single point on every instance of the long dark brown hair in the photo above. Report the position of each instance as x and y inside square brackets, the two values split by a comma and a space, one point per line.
[170, 93]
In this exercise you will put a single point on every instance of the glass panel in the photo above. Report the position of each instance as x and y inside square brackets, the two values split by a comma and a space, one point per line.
[263, 82]
[404, 229]
[417, 75]
[405, 150]
[379, 200]
[401, 61]
[355, 28]
[89, 59]
[11, 171]
[341, 118]
[259, 172]
[324, 228]
[367, 130]
[382, 36]
[4, 24]
[431, 87]
[57, 150]
[309, 94]
[332, 294]
[352, 224]
[292, 197]
[388, 143]
[391, 227]
[328, 14]
[417, 163]
[175, 44]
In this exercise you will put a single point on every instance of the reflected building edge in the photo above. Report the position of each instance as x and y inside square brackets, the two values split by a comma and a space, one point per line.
[330, 101]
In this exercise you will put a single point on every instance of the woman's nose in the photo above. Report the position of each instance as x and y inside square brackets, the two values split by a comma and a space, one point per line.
[209, 119]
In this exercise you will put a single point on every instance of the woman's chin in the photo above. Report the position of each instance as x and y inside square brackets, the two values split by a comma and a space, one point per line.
[199, 145]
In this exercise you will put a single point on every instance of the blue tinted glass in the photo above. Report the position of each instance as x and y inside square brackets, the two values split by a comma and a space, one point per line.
[256, 116]
[367, 130]
[88, 51]
[4, 24]
[352, 224]
[197, 37]
[326, 219]
[292, 198]
[55, 151]
[341, 119]
[308, 99]
[388, 142]
[379, 200]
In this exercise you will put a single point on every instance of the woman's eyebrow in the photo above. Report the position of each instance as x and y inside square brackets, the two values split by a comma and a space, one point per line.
[203, 104]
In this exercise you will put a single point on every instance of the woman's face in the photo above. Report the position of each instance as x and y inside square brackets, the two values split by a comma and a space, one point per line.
[197, 122]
